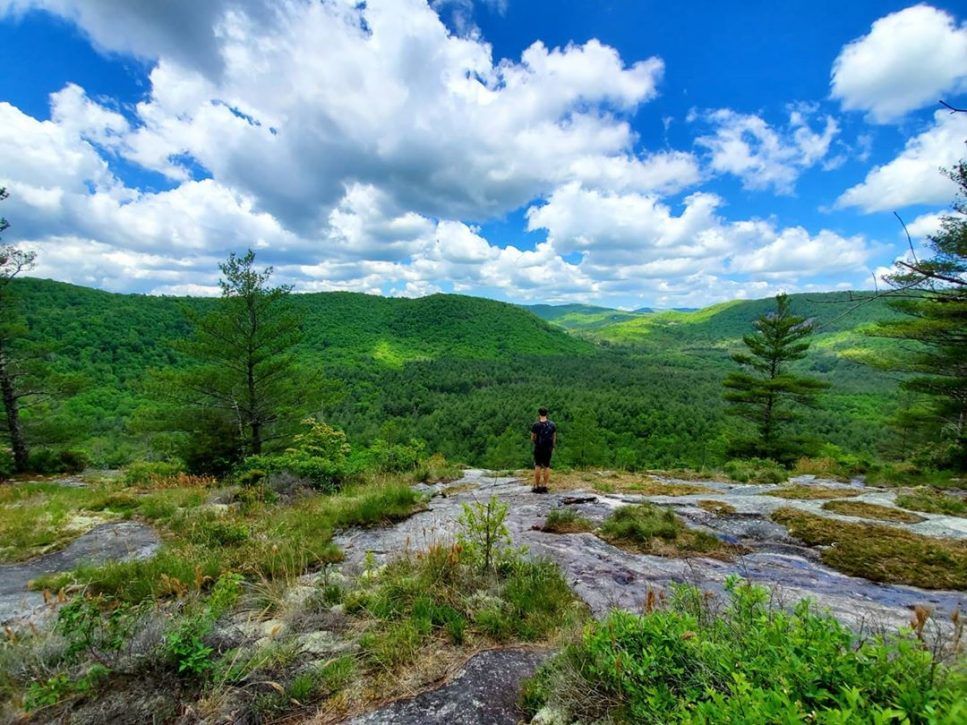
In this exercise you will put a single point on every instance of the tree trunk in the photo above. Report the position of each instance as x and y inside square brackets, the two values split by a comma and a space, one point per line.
[10, 404]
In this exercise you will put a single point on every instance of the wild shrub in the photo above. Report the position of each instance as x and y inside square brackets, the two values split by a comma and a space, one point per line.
[483, 533]
[48, 461]
[749, 662]
[755, 470]
[151, 473]
[6, 464]
[184, 644]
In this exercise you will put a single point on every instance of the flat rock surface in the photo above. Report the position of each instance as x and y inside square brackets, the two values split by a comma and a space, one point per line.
[607, 577]
[115, 541]
[483, 692]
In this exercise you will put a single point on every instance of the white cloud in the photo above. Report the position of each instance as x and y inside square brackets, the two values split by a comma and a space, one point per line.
[764, 157]
[908, 60]
[914, 176]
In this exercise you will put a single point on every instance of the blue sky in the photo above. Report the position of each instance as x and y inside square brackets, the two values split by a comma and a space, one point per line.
[620, 153]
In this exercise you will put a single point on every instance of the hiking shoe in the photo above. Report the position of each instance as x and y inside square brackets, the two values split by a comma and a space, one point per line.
[539, 489]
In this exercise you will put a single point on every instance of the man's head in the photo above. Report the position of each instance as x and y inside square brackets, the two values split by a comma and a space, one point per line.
[542, 412]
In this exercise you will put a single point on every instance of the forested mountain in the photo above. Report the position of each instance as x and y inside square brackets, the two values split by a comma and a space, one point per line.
[466, 374]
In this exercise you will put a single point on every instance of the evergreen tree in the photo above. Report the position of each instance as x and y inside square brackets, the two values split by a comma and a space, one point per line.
[243, 378]
[932, 295]
[765, 392]
[13, 261]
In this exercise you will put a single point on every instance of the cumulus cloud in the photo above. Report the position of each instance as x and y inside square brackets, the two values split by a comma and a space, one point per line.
[914, 176]
[764, 157]
[360, 146]
[907, 60]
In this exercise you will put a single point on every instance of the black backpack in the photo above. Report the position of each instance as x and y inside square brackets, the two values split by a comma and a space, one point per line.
[544, 431]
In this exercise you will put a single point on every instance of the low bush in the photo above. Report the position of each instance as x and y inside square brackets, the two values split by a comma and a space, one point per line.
[755, 470]
[396, 458]
[47, 461]
[151, 473]
[751, 662]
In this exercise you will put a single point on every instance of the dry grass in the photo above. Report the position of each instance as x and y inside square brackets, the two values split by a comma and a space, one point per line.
[801, 492]
[881, 553]
[719, 508]
[871, 511]
[619, 482]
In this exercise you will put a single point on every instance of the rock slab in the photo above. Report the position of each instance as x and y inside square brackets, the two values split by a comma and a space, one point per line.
[484, 692]
[116, 541]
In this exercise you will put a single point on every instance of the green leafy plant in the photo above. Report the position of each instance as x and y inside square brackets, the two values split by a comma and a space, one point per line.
[483, 532]
[751, 661]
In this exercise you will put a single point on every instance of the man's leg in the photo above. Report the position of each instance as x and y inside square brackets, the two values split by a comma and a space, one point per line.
[537, 475]
[547, 476]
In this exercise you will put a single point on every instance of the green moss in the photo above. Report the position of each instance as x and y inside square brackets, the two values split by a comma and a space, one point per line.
[933, 502]
[881, 553]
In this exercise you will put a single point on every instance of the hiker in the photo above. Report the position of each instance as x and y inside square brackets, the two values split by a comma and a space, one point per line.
[544, 438]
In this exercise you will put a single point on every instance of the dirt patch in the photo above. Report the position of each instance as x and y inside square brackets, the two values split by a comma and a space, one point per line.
[871, 511]
[881, 553]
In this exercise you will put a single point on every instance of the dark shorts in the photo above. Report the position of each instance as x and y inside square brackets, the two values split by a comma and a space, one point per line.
[542, 457]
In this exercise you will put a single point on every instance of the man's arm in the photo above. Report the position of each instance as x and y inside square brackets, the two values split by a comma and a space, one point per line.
[554, 440]
[533, 437]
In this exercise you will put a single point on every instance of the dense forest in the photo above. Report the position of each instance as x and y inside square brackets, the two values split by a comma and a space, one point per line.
[465, 375]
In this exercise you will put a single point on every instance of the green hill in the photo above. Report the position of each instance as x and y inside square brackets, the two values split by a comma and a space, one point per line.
[465, 374]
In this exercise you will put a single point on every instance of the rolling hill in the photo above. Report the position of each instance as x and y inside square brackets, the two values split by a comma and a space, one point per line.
[465, 374]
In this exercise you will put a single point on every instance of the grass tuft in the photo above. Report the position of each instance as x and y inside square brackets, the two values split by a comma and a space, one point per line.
[933, 502]
[650, 529]
[566, 521]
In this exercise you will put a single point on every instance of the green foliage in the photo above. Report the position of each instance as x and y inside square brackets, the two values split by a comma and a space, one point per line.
[319, 456]
[47, 461]
[62, 686]
[470, 375]
[443, 594]
[396, 458]
[93, 632]
[483, 533]
[184, 644]
[150, 473]
[933, 502]
[753, 662]
[765, 391]
[6, 464]
[755, 470]
[934, 324]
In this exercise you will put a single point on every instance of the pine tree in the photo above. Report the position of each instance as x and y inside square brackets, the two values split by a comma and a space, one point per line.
[765, 392]
[244, 375]
[932, 295]
[13, 261]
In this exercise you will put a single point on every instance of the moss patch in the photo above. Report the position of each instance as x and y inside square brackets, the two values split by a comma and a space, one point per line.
[620, 482]
[871, 511]
[650, 529]
[808, 493]
[881, 553]
[933, 502]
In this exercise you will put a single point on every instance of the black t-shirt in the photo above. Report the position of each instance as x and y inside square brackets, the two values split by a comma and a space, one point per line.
[543, 431]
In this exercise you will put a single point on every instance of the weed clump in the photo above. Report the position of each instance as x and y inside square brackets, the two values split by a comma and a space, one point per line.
[752, 661]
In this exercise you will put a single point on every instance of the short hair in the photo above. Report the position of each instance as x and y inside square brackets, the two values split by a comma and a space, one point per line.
[542, 411]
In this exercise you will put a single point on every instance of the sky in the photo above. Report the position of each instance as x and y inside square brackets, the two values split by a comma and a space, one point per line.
[627, 154]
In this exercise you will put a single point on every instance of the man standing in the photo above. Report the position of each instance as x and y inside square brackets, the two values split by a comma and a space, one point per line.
[544, 438]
